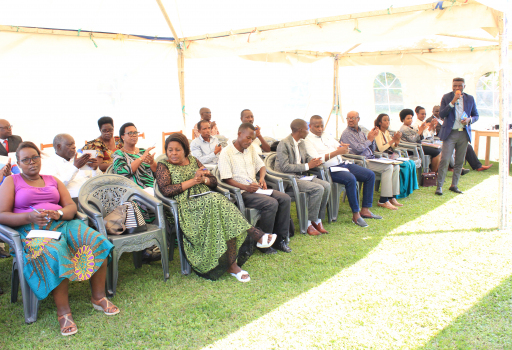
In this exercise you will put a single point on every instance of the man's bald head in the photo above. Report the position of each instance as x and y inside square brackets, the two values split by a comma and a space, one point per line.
[61, 139]
[352, 119]
[5, 129]
[205, 113]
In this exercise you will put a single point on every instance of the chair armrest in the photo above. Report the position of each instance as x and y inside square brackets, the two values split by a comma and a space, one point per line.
[9, 233]
[81, 216]
[275, 180]
[381, 155]
[281, 175]
[355, 157]
[223, 191]
[237, 194]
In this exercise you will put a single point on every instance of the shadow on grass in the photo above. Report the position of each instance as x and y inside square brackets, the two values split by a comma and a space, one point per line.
[462, 230]
[487, 325]
[188, 312]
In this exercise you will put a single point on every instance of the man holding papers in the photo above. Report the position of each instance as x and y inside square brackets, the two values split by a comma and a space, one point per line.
[363, 145]
[292, 158]
[318, 144]
[238, 165]
[67, 166]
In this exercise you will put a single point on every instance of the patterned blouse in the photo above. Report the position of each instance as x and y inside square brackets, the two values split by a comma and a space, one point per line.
[99, 145]
[410, 135]
[143, 177]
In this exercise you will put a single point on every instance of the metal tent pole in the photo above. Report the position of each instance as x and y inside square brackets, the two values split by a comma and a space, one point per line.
[504, 79]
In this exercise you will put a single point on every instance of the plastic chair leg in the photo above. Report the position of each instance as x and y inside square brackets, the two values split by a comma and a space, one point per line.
[186, 269]
[115, 271]
[302, 212]
[15, 282]
[165, 257]
[137, 259]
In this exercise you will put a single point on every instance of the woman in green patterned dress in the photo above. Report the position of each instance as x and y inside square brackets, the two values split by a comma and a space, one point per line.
[216, 237]
[134, 163]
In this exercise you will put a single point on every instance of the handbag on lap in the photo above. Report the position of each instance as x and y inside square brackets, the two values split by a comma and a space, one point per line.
[126, 218]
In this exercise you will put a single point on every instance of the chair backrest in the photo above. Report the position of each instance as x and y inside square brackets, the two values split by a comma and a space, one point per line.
[164, 134]
[110, 169]
[161, 157]
[105, 192]
[46, 145]
[270, 161]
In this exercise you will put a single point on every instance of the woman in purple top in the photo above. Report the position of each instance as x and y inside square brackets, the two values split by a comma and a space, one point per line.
[81, 253]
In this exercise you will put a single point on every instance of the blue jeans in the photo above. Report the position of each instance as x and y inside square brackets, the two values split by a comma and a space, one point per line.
[357, 173]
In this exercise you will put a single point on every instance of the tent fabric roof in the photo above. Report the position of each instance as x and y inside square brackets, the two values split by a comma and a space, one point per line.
[390, 31]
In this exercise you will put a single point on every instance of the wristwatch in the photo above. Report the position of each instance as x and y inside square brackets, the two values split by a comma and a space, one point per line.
[61, 214]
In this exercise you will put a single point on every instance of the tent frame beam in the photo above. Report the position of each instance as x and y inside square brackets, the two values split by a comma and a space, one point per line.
[75, 33]
[181, 62]
[319, 21]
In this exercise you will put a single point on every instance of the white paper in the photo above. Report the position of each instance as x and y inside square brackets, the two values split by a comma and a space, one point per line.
[335, 169]
[402, 159]
[43, 234]
[382, 160]
[3, 160]
[265, 192]
[307, 178]
[93, 154]
[200, 194]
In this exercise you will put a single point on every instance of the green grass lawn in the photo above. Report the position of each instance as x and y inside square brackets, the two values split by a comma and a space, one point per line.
[188, 312]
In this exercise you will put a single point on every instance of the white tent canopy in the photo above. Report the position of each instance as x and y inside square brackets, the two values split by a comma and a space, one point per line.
[71, 62]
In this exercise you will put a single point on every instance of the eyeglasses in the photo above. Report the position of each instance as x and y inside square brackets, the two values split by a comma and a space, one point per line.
[352, 118]
[132, 133]
[34, 159]
[8, 127]
[107, 131]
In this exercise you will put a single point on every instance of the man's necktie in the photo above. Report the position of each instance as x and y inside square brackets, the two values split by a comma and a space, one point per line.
[6, 145]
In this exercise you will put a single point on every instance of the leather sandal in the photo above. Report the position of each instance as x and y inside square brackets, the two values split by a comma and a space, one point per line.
[109, 309]
[69, 327]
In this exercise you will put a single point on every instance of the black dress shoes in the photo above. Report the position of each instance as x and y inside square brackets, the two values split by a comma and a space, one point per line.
[268, 250]
[455, 189]
[439, 191]
[282, 246]
[464, 172]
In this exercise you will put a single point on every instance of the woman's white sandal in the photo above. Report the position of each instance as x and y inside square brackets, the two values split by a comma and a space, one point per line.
[265, 239]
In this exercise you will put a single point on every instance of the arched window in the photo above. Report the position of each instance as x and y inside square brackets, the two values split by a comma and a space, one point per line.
[487, 95]
[388, 94]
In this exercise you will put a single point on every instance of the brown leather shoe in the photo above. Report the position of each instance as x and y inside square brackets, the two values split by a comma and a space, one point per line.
[312, 231]
[387, 205]
[320, 228]
[394, 202]
[485, 167]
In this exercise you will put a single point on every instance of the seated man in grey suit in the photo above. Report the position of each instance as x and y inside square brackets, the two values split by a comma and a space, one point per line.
[292, 158]
[8, 142]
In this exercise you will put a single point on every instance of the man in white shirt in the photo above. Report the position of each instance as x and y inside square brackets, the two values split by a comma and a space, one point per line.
[206, 147]
[65, 165]
[259, 143]
[320, 145]
[238, 165]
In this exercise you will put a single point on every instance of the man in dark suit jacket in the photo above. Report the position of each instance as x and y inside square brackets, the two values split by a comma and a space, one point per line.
[292, 158]
[458, 110]
[8, 141]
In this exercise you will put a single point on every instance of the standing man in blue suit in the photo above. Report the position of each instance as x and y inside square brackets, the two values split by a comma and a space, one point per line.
[458, 110]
